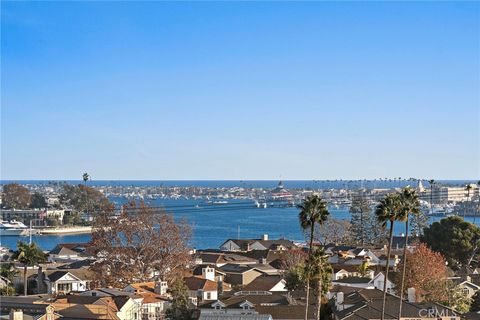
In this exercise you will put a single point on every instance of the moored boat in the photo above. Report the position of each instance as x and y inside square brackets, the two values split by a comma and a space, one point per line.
[13, 228]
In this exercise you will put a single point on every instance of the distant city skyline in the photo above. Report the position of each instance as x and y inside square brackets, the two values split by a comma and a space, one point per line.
[240, 91]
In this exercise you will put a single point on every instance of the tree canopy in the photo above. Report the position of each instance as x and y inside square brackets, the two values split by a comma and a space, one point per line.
[83, 198]
[456, 239]
[15, 196]
[296, 274]
[365, 229]
[139, 244]
[334, 231]
[29, 254]
[180, 308]
[38, 201]
[426, 271]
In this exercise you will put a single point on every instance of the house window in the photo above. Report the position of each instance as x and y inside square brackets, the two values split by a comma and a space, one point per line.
[64, 287]
[209, 296]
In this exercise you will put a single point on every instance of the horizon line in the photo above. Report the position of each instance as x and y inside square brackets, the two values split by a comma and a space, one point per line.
[337, 179]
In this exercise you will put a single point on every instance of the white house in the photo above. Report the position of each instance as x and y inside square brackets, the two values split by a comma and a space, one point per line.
[155, 300]
[201, 289]
[345, 271]
[63, 282]
[365, 283]
[378, 282]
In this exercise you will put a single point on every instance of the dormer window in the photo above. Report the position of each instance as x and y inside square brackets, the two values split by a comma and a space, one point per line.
[246, 305]
[218, 305]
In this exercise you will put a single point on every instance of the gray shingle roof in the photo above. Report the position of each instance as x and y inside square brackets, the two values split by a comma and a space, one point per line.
[367, 304]
[55, 276]
[63, 251]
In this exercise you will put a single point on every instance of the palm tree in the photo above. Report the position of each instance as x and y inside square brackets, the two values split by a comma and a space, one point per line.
[313, 210]
[478, 207]
[409, 205]
[363, 268]
[431, 182]
[468, 187]
[29, 255]
[8, 271]
[388, 211]
[320, 273]
[85, 178]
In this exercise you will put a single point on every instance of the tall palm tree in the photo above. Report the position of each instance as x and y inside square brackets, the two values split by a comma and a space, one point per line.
[320, 274]
[468, 187]
[313, 211]
[478, 206]
[409, 205]
[431, 182]
[85, 178]
[29, 255]
[388, 211]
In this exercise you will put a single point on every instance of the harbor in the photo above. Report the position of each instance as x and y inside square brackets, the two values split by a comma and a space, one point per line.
[230, 209]
[212, 225]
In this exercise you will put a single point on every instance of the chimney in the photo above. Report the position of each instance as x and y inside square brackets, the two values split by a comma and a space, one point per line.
[411, 295]
[339, 301]
[16, 314]
[161, 287]
[265, 237]
[41, 286]
[208, 273]
[220, 287]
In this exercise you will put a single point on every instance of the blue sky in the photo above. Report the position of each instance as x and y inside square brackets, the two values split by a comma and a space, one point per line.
[240, 90]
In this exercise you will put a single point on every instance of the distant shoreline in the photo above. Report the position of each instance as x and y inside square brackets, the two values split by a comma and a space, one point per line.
[65, 230]
[291, 184]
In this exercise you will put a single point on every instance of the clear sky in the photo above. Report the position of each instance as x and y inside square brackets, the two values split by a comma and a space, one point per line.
[230, 90]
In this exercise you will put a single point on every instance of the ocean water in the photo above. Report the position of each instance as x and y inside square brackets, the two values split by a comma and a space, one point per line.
[212, 225]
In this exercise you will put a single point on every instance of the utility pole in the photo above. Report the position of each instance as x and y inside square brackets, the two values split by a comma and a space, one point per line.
[30, 241]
